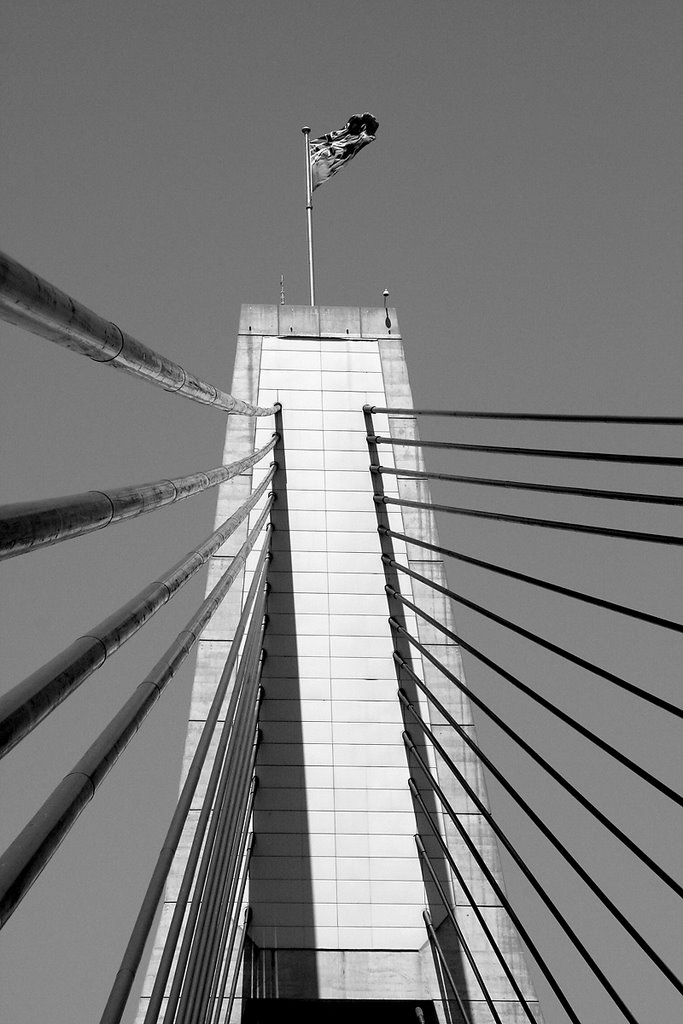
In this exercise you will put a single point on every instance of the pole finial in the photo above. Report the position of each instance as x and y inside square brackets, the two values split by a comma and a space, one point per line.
[306, 130]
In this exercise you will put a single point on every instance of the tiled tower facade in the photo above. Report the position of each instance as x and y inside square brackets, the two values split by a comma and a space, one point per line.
[336, 886]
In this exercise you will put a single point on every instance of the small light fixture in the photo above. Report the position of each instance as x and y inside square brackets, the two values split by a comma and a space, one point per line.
[387, 319]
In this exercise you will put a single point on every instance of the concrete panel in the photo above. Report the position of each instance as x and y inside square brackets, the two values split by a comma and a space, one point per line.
[368, 733]
[258, 320]
[373, 603]
[310, 599]
[374, 322]
[291, 380]
[293, 398]
[348, 626]
[342, 440]
[363, 562]
[351, 401]
[350, 344]
[307, 584]
[352, 542]
[298, 321]
[362, 583]
[341, 501]
[305, 419]
[303, 440]
[290, 344]
[379, 799]
[303, 625]
[383, 756]
[347, 420]
[339, 321]
[299, 540]
[283, 358]
[351, 359]
[284, 869]
[364, 688]
[279, 798]
[345, 461]
[351, 382]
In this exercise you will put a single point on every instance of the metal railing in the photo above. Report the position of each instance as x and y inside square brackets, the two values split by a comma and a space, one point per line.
[409, 651]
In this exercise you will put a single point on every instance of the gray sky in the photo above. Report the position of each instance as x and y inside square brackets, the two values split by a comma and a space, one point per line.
[522, 204]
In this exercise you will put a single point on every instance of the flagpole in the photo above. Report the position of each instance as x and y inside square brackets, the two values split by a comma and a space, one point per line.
[309, 212]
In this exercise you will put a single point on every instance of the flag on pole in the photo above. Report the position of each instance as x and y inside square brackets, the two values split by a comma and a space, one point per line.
[330, 152]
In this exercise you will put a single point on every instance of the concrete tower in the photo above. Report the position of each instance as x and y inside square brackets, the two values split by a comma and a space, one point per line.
[336, 886]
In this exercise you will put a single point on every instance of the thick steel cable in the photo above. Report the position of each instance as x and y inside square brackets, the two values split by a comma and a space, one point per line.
[458, 931]
[222, 972]
[215, 778]
[251, 612]
[549, 975]
[542, 453]
[200, 964]
[239, 770]
[394, 580]
[130, 963]
[227, 950]
[31, 701]
[537, 416]
[545, 765]
[220, 780]
[31, 525]
[29, 301]
[537, 698]
[475, 909]
[25, 858]
[431, 933]
[528, 874]
[203, 1005]
[548, 524]
[519, 485]
[599, 602]
[552, 838]
[238, 958]
[192, 927]
[192, 983]
[185, 971]
[540, 641]
[231, 874]
[236, 897]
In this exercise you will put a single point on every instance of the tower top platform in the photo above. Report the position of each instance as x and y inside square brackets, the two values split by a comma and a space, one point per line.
[319, 321]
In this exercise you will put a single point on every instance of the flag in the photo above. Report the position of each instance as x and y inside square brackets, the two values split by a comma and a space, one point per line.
[330, 152]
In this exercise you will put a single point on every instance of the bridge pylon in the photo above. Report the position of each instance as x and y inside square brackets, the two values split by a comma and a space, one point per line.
[364, 897]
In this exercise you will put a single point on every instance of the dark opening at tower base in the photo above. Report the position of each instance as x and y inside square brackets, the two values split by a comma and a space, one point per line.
[340, 1011]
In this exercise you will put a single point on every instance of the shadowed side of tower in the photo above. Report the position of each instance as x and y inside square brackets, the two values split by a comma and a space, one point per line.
[337, 889]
